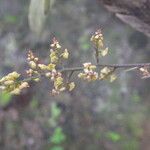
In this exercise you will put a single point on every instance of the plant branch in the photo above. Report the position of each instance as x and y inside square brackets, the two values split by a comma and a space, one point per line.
[73, 69]
[76, 69]
[117, 66]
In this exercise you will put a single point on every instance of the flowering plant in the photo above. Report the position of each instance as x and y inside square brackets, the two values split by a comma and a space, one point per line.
[13, 84]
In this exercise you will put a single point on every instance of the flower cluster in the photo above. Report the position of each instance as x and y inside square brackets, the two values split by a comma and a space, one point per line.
[53, 72]
[107, 73]
[88, 73]
[98, 42]
[50, 71]
[33, 63]
[145, 72]
[59, 84]
[56, 52]
[10, 83]
[59, 76]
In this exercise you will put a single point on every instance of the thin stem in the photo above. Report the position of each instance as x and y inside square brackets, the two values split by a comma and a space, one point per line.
[139, 65]
[96, 55]
[73, 69]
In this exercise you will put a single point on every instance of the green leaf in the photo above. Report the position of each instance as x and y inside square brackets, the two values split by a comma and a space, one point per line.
[5, 98]
[113, 136]
[84, 44]
[136, 97]
[57, 148]
[58, 136]
[55, 111]
[34, 103]
[10, 19]
[132, 144]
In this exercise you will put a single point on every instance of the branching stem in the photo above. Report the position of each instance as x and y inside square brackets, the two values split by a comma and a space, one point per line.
[115, 66]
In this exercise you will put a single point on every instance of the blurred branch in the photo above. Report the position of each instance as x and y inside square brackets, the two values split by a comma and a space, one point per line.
[74, 69]
[116, 66]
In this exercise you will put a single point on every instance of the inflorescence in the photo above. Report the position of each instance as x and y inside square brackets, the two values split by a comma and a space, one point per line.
[90, 72]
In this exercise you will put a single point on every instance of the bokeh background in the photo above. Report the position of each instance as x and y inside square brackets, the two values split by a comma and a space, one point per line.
[95, 116]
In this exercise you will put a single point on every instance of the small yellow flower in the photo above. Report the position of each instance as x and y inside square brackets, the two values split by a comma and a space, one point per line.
[36, 79]
[62, 89]
[2, 87]
[142, 69]
[113, 77]
[2, 79]
[11, 76]
[32, 64]
[100, 44]
[71, 86]
[101, 76]
[8, 82]
[51, 66]
[54, 59]
[55, 92]
[87, 64]
[65, 54]
[23, 85]
[103, 52]
[92, 67]
[105, 70]
[42, 66]
[58, 46]
[15, 91]
[94, 76]
[29, 72]
[48, 74]
[36, 59]
[14, 75]
[52, 53]
[81, 75]
[58, 81]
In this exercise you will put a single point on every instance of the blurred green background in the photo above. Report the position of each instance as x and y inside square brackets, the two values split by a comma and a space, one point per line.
[95, 116]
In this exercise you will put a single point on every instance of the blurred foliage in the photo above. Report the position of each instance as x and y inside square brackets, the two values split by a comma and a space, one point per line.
[56, 148]
[131, 145]
[58, 136]
[113, 136]
[11, 19]
[136, 97]
[55, 113]
[34, 103]
[84, 43]
[5, 99]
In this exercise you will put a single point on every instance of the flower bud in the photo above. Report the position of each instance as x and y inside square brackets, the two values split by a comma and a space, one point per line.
[32, 64]
[9, 82]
